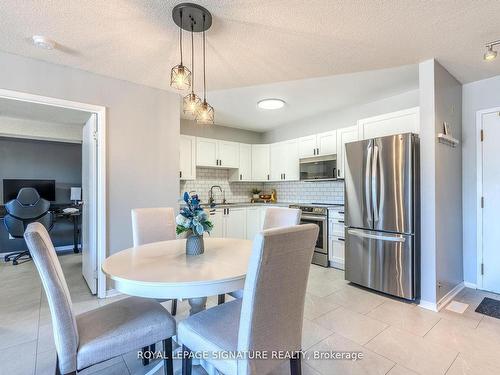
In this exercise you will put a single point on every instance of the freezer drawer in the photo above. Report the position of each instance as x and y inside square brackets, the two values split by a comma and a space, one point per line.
[381, 261]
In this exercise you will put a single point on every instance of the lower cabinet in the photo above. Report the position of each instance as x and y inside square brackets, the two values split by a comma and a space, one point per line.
[216, 217]
[228, 222]
[336, 252]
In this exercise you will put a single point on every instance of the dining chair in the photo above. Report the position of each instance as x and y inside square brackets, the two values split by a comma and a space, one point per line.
[98, 335]
[269, 316]
[275, 217]
[153, 225]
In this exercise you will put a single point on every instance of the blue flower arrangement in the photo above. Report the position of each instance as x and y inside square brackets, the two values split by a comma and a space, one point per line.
[192, 217]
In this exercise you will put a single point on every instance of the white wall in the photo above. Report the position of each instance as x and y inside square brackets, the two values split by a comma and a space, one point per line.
[142, 139]
[476, 96]
[340, 119]
[47, 131]
[441, 174]
[225, 133]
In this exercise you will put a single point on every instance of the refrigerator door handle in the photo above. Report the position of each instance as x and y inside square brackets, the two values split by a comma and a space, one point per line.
[383, 237]
[368, 187]
[374, 192]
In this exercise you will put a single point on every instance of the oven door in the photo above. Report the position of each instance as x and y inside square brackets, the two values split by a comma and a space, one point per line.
[322, 223]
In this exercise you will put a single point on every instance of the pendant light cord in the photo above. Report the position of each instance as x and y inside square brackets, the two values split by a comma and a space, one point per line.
[180, 36]
[204, 73]
[192, 60]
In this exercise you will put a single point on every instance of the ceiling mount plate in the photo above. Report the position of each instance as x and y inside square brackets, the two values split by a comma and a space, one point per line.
[187, 14]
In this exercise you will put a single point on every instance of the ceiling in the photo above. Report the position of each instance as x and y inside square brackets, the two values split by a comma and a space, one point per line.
[254, 42]
[42, 112]
[308, 97]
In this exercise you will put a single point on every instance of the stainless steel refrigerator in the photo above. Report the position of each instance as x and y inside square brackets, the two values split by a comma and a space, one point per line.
[382, 214]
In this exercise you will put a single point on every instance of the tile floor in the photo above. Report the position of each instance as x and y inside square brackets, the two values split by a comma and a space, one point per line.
[395, 338]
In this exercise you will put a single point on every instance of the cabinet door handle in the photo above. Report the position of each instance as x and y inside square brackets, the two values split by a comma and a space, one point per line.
[268, 177]
[314, 151]
[220, 162]
[318, 151]
[284, 176]
[341, 221]
[180, 174]
[341, 239]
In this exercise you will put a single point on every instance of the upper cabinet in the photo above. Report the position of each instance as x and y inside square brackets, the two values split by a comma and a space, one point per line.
[344, 135]
[215, 153]
[260, 163]
[285, 161]
[405, 121]
[318, 144]
[187, 157]
[244, 172]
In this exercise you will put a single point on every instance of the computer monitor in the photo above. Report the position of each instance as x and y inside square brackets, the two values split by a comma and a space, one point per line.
[46, 188]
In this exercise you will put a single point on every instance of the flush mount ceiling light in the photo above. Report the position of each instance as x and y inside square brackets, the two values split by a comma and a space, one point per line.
[491, 54]
[271, 104]
[43, 42]
[195, 19]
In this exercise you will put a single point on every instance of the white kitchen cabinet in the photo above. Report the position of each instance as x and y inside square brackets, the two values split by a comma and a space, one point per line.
[244, 171]
[308, 146]
[229, 154]
[344, 135]
[187, 157]
[217, 219]
[254, 222]
[285, 161]
[336, 236]
[318, 144]
[235, 223]
[260, 163]
[327, 143]
[336, 252]
[216, 153]
[405, 121]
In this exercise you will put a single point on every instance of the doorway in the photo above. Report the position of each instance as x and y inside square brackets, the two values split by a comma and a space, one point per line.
[93, 181]
[488, 256]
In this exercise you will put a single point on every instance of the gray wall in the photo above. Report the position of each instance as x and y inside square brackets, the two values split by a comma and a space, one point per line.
[189, 127]
[441, 175]
[340, 119]
[477, 95]
[30, 159]
[142, 135]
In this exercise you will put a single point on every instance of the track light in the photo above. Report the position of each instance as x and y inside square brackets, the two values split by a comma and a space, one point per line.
[491, 54]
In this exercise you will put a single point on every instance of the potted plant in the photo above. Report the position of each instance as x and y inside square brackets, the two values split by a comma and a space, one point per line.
[255, 193]
[193, 221]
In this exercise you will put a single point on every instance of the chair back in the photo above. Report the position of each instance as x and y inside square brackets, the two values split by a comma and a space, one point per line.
[58, 297]
[153, 225]
[273, 299]
[277, 217]
[27, 208]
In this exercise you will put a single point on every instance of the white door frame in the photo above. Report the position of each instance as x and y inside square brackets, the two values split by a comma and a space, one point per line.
[479, 178]
[100, 111]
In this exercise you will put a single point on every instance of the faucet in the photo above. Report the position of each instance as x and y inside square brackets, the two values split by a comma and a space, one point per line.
[211, 199]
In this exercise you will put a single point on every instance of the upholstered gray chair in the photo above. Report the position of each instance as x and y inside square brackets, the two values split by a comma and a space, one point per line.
[154, 225]
[101, 334]
[275, 217]
[269, 317]
[28, 207]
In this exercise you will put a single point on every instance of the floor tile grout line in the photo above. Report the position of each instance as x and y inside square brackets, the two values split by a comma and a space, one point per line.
[328, 312]
[373, 338]
[432, 327]
[451, 364]
[395, 364]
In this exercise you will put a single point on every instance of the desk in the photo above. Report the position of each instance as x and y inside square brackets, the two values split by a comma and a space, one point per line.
[75, 218]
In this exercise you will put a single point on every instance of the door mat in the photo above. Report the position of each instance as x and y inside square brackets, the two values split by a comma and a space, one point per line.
[490, 307]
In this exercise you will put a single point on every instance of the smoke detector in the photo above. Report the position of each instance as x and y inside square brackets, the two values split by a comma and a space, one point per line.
[43, 42]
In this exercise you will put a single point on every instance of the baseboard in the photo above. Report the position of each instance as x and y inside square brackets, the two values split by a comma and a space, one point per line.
[112, 293]
[450, 295]
[470, 285]
[428, 305]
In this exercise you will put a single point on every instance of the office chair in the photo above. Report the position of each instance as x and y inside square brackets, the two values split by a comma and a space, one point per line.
[27, 208]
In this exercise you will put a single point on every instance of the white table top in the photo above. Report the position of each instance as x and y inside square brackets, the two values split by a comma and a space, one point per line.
[163, 270]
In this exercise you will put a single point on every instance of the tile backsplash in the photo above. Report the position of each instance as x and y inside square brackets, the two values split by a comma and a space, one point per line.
[288, 191]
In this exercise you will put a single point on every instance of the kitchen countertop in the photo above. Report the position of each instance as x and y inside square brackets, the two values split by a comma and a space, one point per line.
[259, 204]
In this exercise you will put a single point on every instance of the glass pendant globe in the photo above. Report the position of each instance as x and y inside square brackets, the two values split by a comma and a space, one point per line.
[190, 104]
[180, 77]
[205, 114]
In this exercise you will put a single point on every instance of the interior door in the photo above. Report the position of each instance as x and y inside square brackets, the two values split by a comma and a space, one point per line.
[392, 182]
[89, 198]
[358, 184]
[491, 195]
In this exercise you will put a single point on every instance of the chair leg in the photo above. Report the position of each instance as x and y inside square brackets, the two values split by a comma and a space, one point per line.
[221, 299]
[187, 363]
[168, 363]
[145, 361]
[174, 307]
[296, 365]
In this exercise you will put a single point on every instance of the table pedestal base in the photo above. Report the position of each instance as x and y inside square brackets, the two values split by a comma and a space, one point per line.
[197, 305]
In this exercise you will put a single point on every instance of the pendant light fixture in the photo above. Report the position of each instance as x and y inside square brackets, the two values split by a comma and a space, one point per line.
[180, 76]
[196, 19]
[205, 114]
[191, 101]
[490, 53]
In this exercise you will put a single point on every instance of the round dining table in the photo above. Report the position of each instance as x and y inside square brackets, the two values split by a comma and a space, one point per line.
[162, 270]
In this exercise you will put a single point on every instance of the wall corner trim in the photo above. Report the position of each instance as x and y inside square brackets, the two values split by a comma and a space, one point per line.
[470, 285]
[428, 305]
[450, 295]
